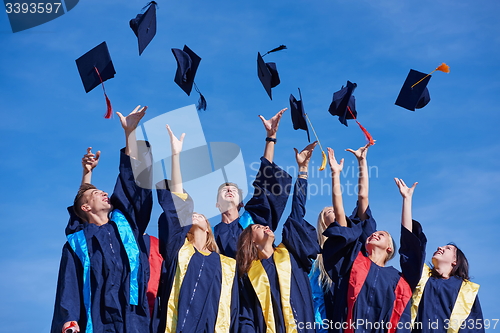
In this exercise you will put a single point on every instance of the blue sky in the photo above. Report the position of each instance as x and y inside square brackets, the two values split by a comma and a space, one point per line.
[450, 147]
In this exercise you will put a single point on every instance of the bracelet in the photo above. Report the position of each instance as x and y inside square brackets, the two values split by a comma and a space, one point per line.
[271, 139]
[302, 173]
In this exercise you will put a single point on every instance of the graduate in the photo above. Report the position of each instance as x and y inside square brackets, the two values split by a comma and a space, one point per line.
[444, 299]
[272, 187]
[198, 290]
[275, 295]
[104, 268]
[366, 295]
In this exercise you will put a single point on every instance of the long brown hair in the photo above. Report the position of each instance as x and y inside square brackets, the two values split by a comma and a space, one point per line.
[246, 251]
[210, 244]
[461, 269]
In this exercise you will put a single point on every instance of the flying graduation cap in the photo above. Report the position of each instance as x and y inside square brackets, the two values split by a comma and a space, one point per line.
[344, 106]
[95, 67]
[414, 93]
[267, 71]
[144, 26]
[300, 119]
[187, 65]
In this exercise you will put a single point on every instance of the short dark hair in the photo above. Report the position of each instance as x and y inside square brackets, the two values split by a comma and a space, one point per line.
[240, 192]
[77, 203]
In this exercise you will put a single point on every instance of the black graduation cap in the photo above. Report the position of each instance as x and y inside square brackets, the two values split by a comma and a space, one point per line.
[144, 26]
[414, 93]
[298, 115]
[187, 65]
[268, 72]
[95, 67]
[344, 103]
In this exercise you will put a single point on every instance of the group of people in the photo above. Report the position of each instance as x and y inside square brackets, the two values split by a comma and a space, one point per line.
[114, 277]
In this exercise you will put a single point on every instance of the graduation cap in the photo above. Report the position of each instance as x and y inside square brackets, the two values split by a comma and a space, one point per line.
[95, 67]
[187, 65]
[300, 119]
[298, 114]
[414, 93]
[267, 72]
[344, 106]
[144, 26]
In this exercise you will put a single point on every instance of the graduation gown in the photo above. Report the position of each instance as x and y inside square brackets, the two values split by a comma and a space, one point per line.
[283, 277]
[198, 291]
[272, 186]
[364, 296]
[118, 301]
[435, 305]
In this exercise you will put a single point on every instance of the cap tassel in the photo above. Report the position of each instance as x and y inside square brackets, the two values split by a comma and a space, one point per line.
[109, 108]
[279, 48]
[443, 68]
[202, 102]
[368, 136]
[323, 154]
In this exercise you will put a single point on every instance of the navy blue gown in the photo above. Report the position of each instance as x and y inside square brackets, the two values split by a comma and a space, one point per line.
[201, 303]
[272, 187]
[111, 306]
[300, 240]
[433, 314]
[362, 292]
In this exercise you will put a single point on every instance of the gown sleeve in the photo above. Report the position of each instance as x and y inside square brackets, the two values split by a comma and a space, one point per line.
[412, 253]
[134, 200]
[299, 236]
[272, 186]
[69, 299]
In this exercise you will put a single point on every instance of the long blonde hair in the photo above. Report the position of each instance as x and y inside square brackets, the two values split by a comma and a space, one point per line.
[210, 244]
[323, 279]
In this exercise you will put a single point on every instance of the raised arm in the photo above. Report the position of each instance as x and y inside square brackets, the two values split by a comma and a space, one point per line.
[89, 162]
[362, 180]
[302, 158]
[271, 126]
[338, 206]
[407, 194]
[129, 124]
[176, 146]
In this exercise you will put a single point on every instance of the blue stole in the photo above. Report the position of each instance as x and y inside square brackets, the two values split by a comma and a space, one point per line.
[78, 243]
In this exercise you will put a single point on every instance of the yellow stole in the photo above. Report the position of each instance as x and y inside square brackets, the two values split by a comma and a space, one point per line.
[224, 315]
[463, 304]
[260, 282]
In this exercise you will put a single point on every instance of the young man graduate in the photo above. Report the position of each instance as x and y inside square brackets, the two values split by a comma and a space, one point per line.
[104, 268]
[272, 187]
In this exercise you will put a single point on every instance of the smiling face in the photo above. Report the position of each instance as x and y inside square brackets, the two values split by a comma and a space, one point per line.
[261, 235]
[200, 221]
[445, 255]
[95, 201]
[328, 216]
[381, 240]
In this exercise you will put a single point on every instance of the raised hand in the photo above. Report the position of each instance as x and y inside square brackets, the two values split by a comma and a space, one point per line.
[90, 160]
[271, 125]
[334, 165]
[361, 152]
[304, 156]
[406, 192]
[175, 144]
[130, 122]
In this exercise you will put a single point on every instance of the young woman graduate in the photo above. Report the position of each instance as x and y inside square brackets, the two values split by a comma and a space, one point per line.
[272, 187]
[198, 290]
[320, 281]
[104, 268]
[366, 295]
[444, 300]
[275, 295]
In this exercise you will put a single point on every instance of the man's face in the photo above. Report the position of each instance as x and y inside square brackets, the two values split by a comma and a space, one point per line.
[95, 200]
[229, 194]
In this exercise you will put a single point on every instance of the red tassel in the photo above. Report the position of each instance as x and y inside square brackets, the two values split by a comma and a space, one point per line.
[368, 136]
[109, 109]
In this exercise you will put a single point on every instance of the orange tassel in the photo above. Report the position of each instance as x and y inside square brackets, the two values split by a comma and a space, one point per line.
[443, 68]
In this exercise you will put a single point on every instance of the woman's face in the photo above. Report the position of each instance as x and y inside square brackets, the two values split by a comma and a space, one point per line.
[445, 255]
[380, 239]
[200, 221]
[328, 216]
[261, 234]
